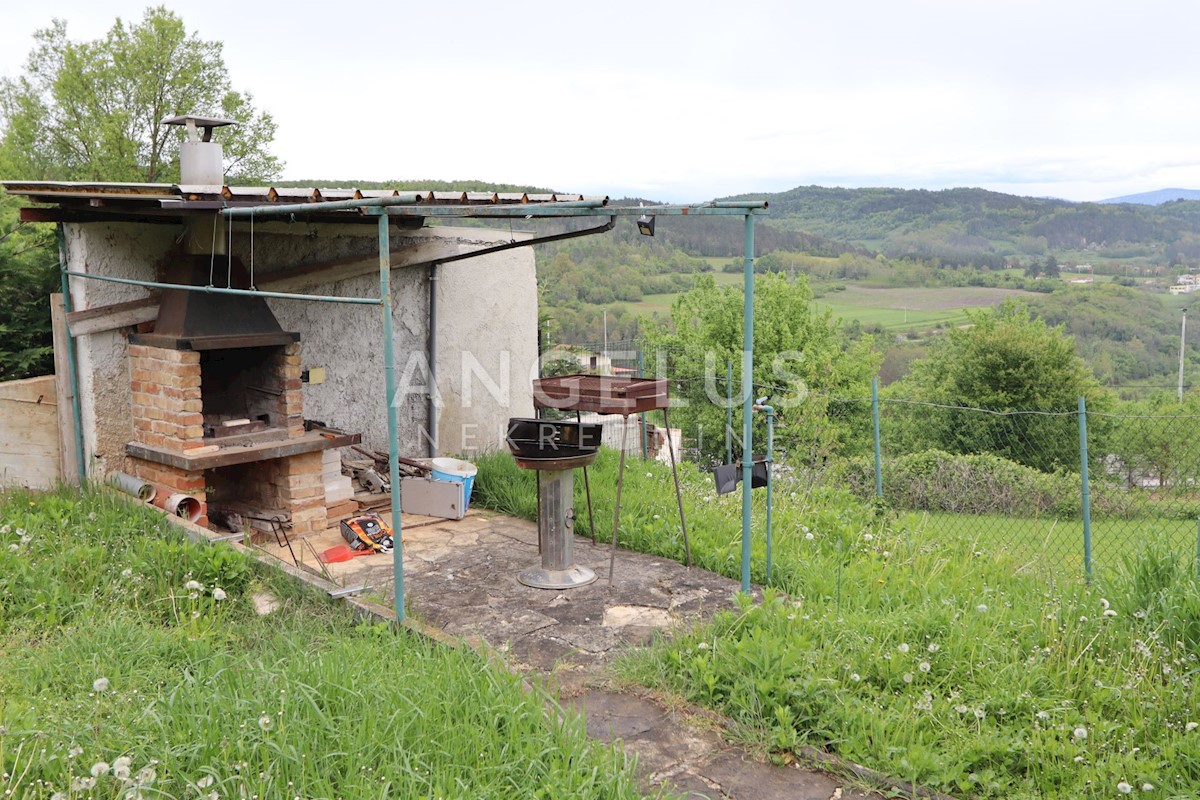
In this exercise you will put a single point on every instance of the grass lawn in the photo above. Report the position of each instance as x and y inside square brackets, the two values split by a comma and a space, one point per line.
[937, 657]
[136, 666]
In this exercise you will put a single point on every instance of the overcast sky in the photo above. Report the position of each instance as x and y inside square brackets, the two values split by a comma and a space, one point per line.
[688, 101]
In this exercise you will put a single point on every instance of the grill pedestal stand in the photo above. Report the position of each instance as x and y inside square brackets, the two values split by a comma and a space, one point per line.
[556, 534]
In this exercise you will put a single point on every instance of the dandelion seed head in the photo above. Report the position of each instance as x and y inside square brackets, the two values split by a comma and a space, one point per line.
[854, 676]
[1043, 715]
[1104, 604]
[99, 768]
[924, 666]
[1147, 787]
[75, 751]
[902, 647]
[868, 537]
[809, 537]
[908, 677]
[1191, 726]
[204, 782]
[194, 586]
[100, 685]
[702, 645]
[1080, 732]
[1124, 788]
[980, 713]
[981, 608]
[14, 548]
[218, 593]
[264, 722]
[1110, 612]
[933, 647]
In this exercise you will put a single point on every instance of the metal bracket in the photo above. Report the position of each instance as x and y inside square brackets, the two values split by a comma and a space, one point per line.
[337, 594]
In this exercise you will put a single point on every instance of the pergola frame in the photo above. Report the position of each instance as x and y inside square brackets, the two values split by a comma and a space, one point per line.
[385, 208]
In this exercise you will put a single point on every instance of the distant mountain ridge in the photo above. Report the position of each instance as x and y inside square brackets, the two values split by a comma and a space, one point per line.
[1156, 197]
[971, 226]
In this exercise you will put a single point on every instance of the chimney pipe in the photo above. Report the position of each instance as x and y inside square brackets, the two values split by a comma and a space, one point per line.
[200, 158]
[201, 163]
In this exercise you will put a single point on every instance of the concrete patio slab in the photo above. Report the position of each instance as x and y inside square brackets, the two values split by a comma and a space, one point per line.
[460, 578]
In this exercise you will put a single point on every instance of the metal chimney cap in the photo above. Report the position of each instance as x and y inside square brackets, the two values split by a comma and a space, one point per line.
[193, 122]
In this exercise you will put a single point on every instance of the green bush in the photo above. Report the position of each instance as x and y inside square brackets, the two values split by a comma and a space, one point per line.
[934, 480]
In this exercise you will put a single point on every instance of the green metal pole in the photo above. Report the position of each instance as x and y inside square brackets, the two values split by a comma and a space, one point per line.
[1086, 496]
[320, 298]
[72, 369]
[389, 357]
[747, 396]
[728, 411]
[875, 423]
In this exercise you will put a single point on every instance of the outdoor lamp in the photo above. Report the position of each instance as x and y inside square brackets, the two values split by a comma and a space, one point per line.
[645, 225]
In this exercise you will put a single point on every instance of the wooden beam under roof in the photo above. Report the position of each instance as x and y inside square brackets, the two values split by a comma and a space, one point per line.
[111, 317]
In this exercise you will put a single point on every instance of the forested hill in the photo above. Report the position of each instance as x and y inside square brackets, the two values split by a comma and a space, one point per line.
[961, 225]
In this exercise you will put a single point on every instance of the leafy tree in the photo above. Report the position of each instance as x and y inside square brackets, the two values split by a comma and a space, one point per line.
[1004, 361]
[94, 110]
[1157, 439]
[801, 362]
[1052, 269]
[28, 275]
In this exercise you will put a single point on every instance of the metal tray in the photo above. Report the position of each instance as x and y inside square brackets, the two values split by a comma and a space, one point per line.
[601, 394]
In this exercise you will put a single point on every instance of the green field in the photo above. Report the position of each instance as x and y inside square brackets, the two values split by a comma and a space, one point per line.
[892, 309]
[905, 308]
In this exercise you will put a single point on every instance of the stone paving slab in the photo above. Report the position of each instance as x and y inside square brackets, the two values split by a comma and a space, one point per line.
[461, 578]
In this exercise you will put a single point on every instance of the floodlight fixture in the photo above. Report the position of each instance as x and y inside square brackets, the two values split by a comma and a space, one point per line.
[645, 225]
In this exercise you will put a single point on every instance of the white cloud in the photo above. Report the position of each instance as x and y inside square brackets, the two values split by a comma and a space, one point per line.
[1074, 99]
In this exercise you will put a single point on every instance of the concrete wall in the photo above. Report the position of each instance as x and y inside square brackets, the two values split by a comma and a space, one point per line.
[487, 330]
[29, 433]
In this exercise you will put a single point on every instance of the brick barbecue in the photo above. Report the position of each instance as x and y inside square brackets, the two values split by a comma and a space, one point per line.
[218, 409]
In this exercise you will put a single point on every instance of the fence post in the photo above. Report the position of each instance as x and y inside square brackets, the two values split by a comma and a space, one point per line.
[1085, 496]
[729, 412]
[642, 374]
[1198, 547]
[875, 424]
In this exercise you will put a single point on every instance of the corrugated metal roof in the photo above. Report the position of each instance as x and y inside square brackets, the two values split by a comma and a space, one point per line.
[178, 195]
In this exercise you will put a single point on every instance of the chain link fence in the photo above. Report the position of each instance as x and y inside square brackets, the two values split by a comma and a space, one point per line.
[1069, 490]
[1073, 490]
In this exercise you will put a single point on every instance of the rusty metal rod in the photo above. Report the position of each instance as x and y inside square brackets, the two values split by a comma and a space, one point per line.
[587, 488]
[612, 555]
[687, 548]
